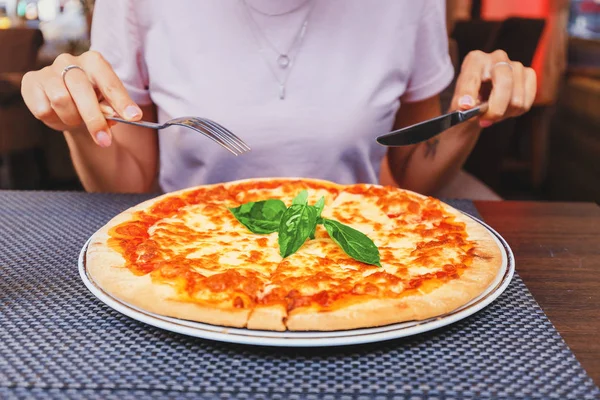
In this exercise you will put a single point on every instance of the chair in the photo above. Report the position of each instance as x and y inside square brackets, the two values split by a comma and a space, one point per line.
[20, 132]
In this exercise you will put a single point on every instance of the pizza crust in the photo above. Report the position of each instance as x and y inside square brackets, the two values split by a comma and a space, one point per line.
[141, 292]
[447, 298]
[105, 266]
[270, 318]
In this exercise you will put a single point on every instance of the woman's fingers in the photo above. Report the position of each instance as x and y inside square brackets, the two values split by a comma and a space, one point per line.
[38, 103]
[469, 81]
[502, 78]
[108, 111]
[530, 88]
[35, 98]
[517, 101]
[513, 86]
[65, 100]
[110, 86]
[83, 95]
[513, 93]
[61, 101]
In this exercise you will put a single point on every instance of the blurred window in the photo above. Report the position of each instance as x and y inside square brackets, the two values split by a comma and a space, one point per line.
[584, 19]
[62, 22]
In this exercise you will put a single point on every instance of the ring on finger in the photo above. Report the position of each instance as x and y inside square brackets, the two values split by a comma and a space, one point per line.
[498, 64]
[67, 69]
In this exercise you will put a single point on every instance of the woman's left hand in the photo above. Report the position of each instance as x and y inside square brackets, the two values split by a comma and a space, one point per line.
[513, 86]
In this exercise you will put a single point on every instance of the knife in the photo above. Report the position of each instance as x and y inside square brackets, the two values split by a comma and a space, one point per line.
[426, 130]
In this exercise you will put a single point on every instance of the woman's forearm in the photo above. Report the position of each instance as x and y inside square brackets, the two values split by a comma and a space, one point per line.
[425, 167]
[116, 168]
[434, 162]
[511, 89]
[74, 95]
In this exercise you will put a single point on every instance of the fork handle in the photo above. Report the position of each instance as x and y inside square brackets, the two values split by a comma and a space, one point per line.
[136, 123]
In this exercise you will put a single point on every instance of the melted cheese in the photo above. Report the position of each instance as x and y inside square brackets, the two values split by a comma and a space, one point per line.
[193, 242]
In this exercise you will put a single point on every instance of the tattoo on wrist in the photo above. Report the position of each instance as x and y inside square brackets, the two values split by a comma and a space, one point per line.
[431, 147]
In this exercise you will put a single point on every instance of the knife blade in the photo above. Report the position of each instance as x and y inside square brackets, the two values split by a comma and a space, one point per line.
[426, 130]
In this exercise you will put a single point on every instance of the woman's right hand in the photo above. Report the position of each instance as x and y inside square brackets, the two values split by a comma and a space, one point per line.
[82, 98]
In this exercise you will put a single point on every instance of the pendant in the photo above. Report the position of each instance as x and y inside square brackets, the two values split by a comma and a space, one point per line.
[283, 61]
[281, 92]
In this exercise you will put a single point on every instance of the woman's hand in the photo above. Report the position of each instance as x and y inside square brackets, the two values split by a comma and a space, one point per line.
[81, 98]
[513, 86]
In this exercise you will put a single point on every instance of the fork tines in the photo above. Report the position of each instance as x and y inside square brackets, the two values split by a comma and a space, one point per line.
[238, 146]
[219, 134]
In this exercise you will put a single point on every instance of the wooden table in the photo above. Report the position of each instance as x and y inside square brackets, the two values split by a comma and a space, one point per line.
[557, 253]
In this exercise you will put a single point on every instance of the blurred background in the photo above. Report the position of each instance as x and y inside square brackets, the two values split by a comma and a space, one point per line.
[551, 153]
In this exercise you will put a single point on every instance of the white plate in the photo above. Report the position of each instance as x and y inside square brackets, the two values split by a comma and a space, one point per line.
[310, 339]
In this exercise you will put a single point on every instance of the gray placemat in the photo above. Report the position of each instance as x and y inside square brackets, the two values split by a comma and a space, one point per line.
[58, 341]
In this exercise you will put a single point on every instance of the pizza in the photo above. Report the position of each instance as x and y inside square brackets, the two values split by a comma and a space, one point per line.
[188, 255]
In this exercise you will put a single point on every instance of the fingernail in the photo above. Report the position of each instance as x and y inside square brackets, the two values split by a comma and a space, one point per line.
[103, 139]
[485, 123]
[466, 101]
[132, 111]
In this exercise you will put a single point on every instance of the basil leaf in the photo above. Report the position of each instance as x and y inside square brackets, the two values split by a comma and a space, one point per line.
[319, 206]
[354, 243]
[297, 223]
[261, 216]
[301, 198]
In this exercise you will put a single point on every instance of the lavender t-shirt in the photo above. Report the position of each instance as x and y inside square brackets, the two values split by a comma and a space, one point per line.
[357, 61]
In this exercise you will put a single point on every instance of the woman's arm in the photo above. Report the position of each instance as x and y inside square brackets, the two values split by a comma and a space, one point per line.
[107, 157]
[129, 164]
[426, 166]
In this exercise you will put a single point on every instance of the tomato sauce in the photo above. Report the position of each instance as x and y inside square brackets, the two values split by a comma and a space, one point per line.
[154, 254]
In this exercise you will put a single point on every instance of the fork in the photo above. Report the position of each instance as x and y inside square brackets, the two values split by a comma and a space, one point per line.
[208, 128]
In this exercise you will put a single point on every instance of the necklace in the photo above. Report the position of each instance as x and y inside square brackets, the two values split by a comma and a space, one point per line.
[299, 6]
[283, 60]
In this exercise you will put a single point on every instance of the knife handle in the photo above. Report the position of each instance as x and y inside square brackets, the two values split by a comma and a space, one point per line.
[473, 112]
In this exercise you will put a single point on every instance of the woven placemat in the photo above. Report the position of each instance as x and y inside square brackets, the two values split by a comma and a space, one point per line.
[58, 341]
